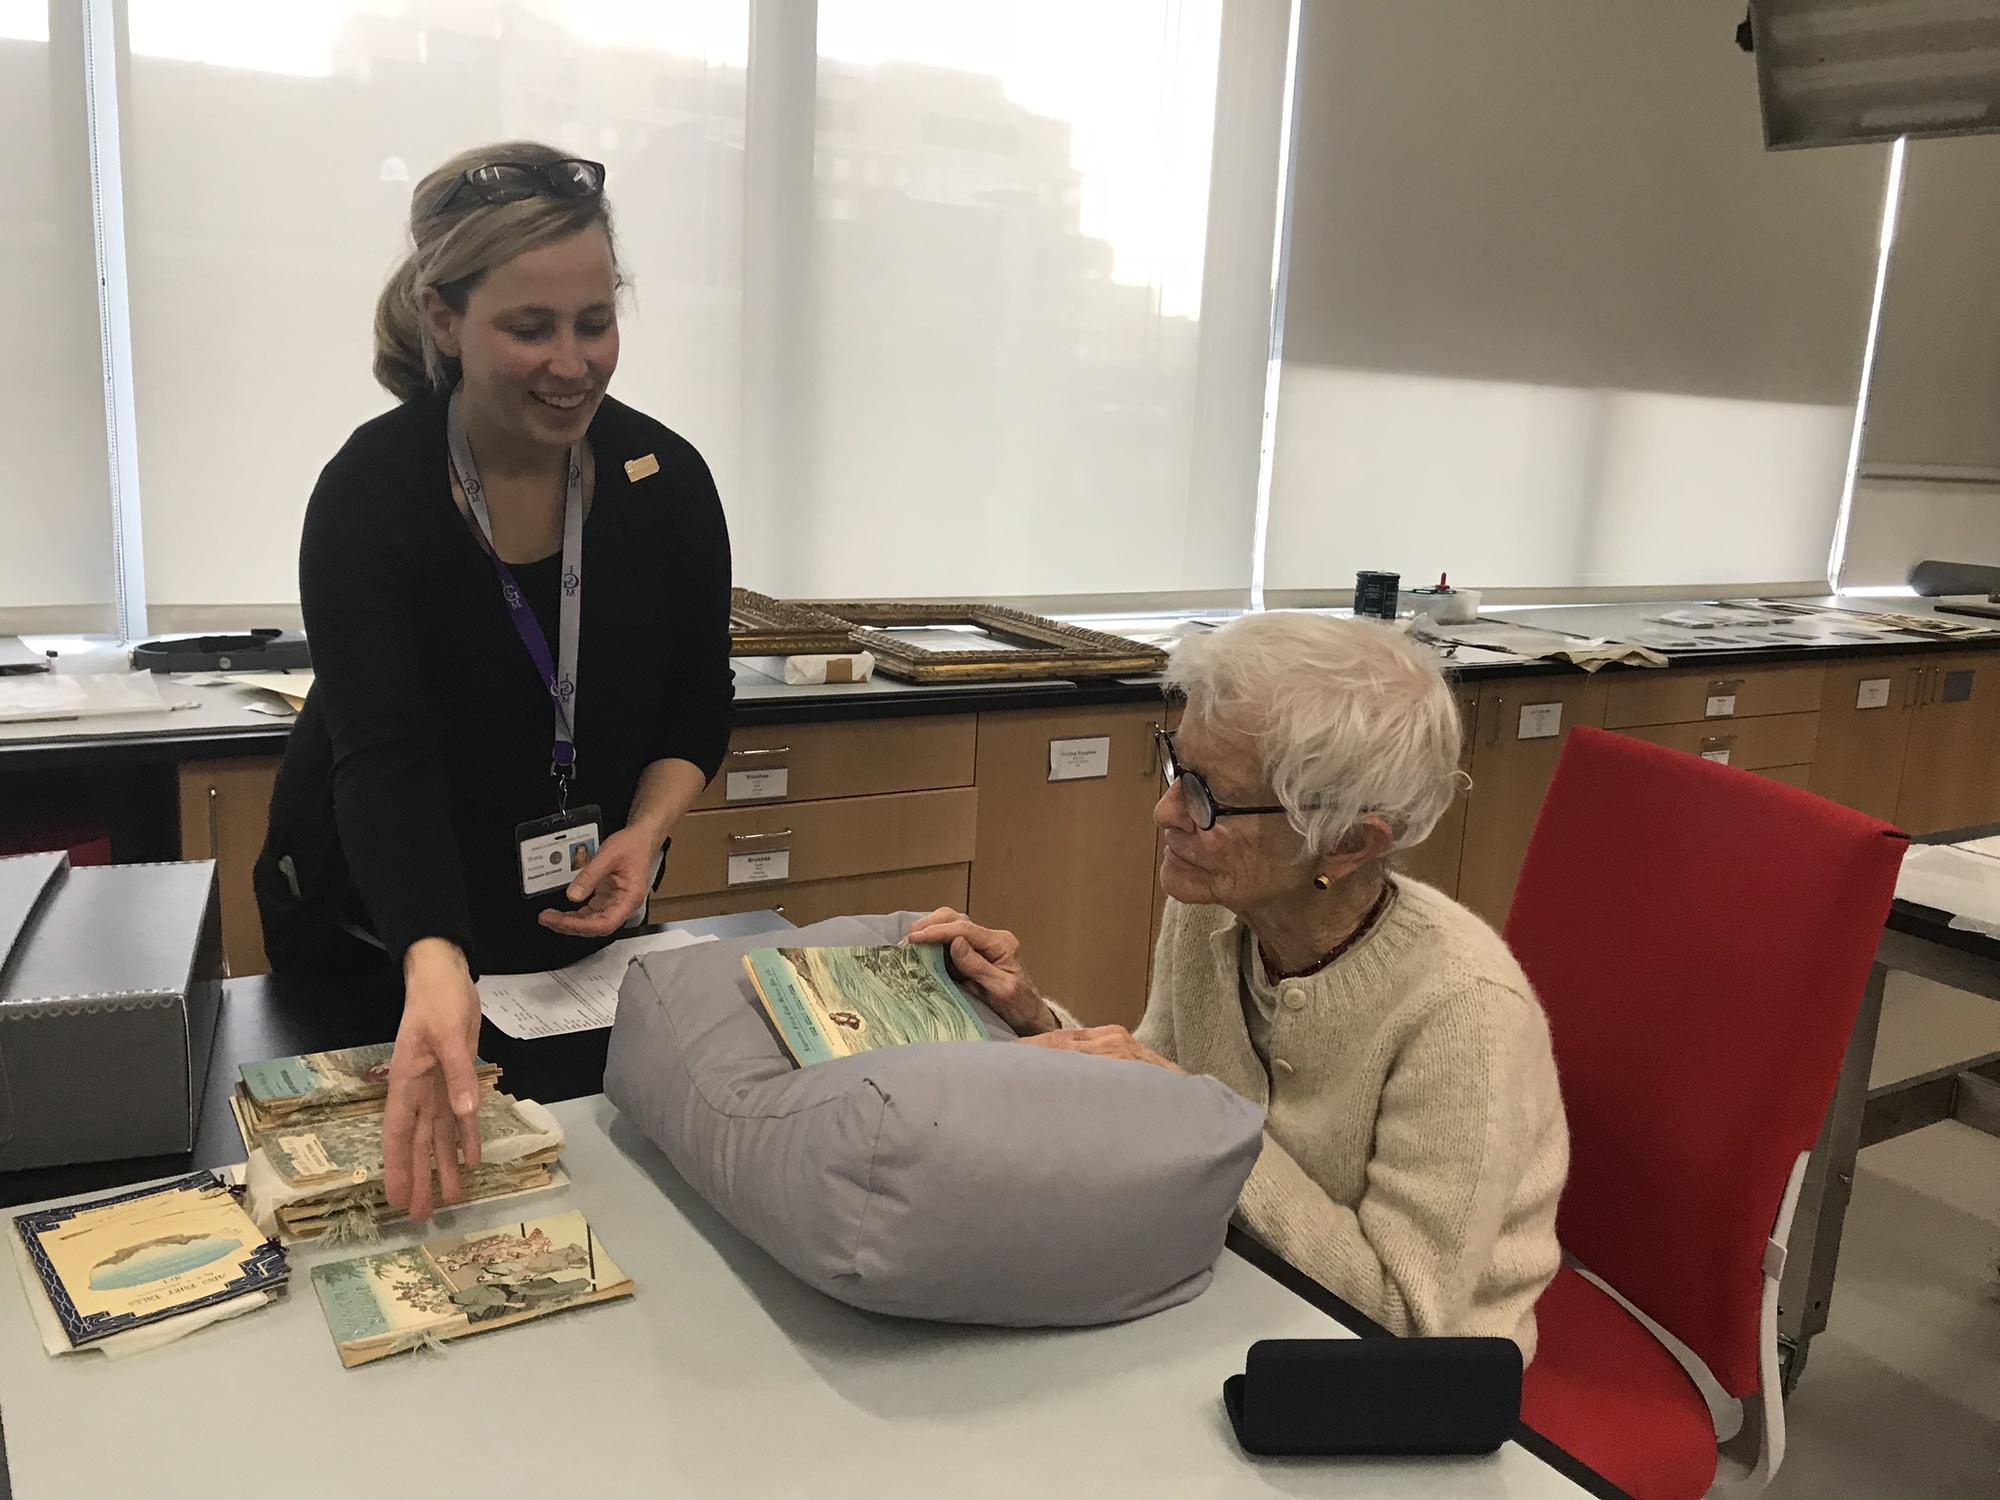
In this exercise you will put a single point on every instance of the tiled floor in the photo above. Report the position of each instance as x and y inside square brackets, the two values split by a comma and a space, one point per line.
[1901, 1397]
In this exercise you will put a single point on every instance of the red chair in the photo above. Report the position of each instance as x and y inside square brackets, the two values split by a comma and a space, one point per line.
[1700, 939]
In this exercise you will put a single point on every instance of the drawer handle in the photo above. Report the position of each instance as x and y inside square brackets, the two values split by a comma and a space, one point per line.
[1493, 729]
[746, 838]
[774, 750]
[214, 832]
[1719, 742]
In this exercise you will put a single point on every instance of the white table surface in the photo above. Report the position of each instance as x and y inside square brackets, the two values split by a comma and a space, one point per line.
[211, 710]
[724, 1376]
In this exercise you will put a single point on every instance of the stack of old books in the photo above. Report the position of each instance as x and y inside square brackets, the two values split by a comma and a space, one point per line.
[313, 1128]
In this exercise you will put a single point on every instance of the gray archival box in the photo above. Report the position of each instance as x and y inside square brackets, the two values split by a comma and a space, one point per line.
[110, 985]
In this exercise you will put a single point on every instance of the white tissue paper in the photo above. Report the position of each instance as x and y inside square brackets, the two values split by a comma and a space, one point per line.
[1961, 879]
[858, 667]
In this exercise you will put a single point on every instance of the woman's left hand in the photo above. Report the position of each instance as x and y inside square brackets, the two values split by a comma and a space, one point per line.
[1101, 1041]
[609, 888]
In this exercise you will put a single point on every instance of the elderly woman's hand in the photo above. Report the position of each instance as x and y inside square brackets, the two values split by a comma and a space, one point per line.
[988, 961]
[1103, 1041]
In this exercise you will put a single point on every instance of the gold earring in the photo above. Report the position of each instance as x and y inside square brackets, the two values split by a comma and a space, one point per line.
[1323, 882]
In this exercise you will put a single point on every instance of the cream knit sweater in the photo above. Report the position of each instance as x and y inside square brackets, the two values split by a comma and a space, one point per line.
[1415, 1145]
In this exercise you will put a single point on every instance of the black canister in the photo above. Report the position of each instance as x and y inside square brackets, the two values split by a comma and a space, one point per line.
[1377, 594]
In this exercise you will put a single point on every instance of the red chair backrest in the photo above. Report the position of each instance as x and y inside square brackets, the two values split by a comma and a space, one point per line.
[1700, 939]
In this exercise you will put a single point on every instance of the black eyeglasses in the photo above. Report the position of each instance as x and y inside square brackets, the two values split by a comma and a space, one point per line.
[511, 181]
[1202, 804]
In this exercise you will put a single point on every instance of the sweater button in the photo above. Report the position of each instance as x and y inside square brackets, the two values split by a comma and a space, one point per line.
[1295, 999]
[1279, 1064]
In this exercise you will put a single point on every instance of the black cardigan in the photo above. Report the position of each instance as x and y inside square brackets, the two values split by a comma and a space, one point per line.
[426, 738]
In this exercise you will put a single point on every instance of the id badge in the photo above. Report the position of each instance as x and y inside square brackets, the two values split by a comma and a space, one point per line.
[554, 849]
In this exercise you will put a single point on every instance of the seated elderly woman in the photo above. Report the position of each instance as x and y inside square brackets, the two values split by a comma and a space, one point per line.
[1415, 1144]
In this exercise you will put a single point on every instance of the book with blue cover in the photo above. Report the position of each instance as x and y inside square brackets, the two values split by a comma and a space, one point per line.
[132, 1258]
[836, 1002]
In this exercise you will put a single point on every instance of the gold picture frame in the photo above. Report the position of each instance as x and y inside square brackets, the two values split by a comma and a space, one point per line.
[1036, 647]
[762, 626]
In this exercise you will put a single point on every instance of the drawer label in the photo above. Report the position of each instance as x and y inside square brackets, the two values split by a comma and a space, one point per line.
[1874, 693]
[1720, 757]
[756, 869]
[1721, 706]
[756, 786]
[1541, 721]
[1080, 760]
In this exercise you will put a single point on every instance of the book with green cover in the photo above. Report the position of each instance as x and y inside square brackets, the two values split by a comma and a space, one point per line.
[835, 1002]
[347, 1079]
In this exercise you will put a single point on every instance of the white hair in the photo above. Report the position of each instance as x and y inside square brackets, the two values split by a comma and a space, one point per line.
[1351, 718]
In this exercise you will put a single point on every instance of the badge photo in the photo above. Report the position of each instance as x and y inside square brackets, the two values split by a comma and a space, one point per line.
[554, 849]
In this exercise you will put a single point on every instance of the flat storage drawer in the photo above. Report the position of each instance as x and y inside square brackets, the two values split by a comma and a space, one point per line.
[1639, 698]
[808, 762]
[1796, 776]
[815, 901]
[769, 847]
[1751, 745]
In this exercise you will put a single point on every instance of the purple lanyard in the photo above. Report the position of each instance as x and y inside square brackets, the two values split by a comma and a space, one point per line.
[558, 673]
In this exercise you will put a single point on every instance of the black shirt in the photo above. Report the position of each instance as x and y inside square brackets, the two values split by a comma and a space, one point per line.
[427, 736]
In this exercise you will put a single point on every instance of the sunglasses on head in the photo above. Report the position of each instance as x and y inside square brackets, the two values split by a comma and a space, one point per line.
[512, 181]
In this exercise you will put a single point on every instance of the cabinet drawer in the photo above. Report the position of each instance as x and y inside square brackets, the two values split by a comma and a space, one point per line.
[1796, 776]
[1751, 745]
[1685, 697]
[815, 901]
[822, 840]
[770, 763]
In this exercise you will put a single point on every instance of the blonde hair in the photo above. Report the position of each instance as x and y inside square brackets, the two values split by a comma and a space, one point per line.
[1351, 719]
[454, 245]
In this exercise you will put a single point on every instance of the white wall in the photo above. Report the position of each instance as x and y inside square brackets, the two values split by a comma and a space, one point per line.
[1897, 523]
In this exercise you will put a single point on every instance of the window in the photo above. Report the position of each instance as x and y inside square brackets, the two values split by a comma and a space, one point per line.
[270, 156]
[56, 569]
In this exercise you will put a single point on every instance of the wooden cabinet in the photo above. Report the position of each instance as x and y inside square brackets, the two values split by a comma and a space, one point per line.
[770, 848]
[816, 900]
[224, 807]
[1513, 758]
[1436, 860]
[1913, 740]
[1866, 711]
[1949, 778]
[1065, 864]
[1633, 700]
[807, 762]
[1747, 744]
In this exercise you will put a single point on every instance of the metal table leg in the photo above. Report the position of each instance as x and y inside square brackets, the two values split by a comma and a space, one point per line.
[1807, 1287]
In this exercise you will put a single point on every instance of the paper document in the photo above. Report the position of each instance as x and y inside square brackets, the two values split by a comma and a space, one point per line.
[15, 656]
[31, 697]
[582, 997]
[291, 686]
[1587, 652]
[1963, 879]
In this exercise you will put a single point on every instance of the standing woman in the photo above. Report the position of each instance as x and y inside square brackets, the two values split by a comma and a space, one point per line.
[517, 593]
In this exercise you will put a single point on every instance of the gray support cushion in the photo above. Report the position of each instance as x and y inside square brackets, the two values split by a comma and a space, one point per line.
[964, 1182]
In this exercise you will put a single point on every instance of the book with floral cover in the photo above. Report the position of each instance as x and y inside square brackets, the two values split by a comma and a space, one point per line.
[379, 1305]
